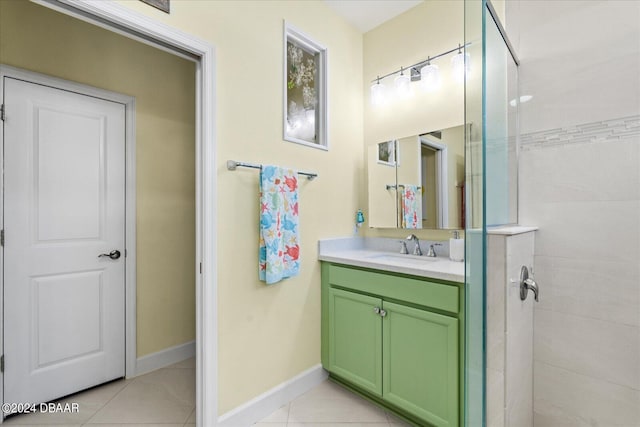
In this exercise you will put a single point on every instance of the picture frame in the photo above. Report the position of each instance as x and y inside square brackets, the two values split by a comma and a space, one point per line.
[163, 5]
[389, 153]
[305, 90]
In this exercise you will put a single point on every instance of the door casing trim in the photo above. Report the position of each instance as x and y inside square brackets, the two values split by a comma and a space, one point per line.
[129, 103]
[122, 20]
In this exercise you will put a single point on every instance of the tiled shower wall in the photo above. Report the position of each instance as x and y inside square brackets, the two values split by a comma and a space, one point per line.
[579, 181]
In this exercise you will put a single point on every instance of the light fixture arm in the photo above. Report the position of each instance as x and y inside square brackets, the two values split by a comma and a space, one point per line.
[420, 64]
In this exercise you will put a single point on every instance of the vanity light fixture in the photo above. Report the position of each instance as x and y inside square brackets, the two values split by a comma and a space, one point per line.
[402, 83]
[425, 72]
[460, 64]
[430, 76]
[378, 93]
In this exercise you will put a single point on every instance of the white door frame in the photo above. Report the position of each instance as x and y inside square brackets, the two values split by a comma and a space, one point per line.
[129, 23]
[130, 198]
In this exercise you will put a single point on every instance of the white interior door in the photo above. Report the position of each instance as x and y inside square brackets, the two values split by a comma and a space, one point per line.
[64, 200]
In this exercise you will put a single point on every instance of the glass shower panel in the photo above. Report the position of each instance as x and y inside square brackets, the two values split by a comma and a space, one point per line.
[501, 105]
[491, 104]
[475, 229]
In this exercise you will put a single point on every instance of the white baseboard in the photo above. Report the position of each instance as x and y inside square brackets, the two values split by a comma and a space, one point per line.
[268, 402]
[164, 358]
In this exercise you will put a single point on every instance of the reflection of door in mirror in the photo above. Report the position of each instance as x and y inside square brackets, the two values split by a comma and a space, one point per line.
[443, 173]
[435, 178]
[429, 177]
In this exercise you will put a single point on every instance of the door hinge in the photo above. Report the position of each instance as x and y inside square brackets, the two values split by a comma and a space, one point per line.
[2, 363]
[1, 237]
[2, 112]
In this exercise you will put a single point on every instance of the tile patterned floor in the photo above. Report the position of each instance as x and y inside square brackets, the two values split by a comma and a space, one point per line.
[162, 398]
[329, 405]
[166, 398]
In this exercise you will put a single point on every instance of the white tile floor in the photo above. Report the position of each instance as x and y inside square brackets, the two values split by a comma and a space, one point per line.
[330, 405]
[163, 398]
[166, 398]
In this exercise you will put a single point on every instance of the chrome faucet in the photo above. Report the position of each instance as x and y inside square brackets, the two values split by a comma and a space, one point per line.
[416, 249]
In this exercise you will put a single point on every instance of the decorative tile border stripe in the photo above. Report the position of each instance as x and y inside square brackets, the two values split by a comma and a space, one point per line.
[609, 130]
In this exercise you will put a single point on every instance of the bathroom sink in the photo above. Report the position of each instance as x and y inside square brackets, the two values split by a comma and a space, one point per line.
[400, 258]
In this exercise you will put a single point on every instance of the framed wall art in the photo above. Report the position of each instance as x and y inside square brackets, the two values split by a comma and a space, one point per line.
[388, 153]
[305, 90]
[163, 5]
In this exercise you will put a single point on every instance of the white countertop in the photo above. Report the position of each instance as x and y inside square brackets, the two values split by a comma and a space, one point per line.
[510, 230]
[360, 255]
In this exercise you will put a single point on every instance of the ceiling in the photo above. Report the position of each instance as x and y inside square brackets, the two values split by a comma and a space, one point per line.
[365, 15]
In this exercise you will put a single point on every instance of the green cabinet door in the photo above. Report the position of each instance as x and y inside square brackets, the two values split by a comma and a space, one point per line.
[355, 339]
[421, 363]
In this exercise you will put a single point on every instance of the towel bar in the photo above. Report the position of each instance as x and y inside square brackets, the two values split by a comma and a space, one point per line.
[232, 165]
[395, 187]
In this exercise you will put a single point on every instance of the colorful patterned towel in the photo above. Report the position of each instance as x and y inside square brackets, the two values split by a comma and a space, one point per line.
[279, 248]
[411, 204]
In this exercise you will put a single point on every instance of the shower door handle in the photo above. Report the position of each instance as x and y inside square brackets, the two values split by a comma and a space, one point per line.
[527, 284]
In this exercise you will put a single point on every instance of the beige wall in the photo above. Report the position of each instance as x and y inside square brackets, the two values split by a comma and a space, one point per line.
[268, 334]
[385, 200]
[37, 39]
[408, 170]
[426, 30]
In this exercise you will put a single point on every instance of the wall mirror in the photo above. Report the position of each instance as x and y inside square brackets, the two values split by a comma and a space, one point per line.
[417, 182]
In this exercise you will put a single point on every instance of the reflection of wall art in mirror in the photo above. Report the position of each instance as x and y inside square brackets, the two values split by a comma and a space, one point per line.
[163, 5]
[305, 99]
[388, 153]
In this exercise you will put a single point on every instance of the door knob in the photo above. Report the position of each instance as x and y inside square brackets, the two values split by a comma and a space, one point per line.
[115, 254]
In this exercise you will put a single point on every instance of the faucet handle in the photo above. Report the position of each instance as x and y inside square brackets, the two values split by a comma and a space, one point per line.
[403, 247]
[432, 251]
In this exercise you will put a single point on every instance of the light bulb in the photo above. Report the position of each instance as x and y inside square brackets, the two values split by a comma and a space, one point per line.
[378, 93]
[461, 65]
[402, 83]
[430, 77]
[523, 99]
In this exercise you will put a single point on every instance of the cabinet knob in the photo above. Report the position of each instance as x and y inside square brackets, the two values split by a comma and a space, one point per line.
[376, 310]
[383, 313]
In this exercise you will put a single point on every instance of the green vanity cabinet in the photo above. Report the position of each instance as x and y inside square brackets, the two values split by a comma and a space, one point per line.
[395, 339]
[420, 368]
[355, 336]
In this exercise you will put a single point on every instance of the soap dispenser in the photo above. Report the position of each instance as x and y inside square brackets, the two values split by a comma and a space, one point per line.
[456, 247]
[359, 220]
